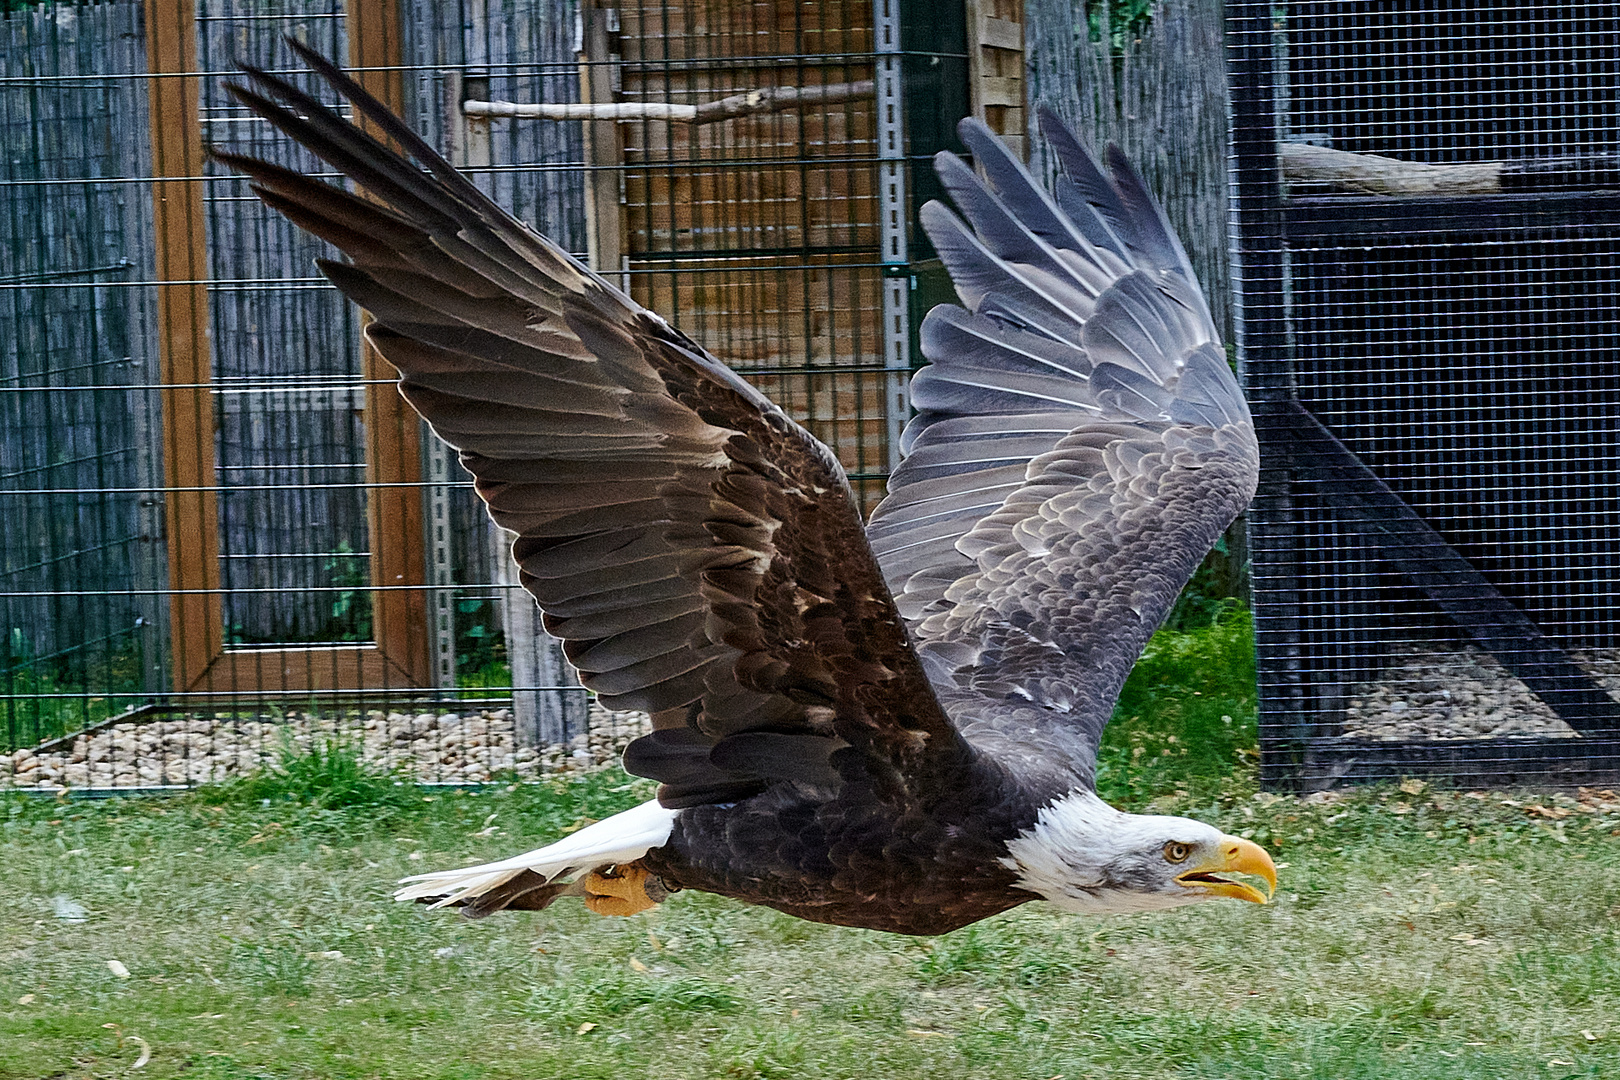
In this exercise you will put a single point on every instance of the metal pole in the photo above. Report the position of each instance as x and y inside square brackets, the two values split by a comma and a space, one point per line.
[893, 213]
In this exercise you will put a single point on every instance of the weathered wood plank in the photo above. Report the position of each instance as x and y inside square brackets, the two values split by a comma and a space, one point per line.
[996, 83]
[997, 33]
[604, 204]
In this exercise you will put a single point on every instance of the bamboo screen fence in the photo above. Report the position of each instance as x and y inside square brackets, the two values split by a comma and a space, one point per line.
[223, 529]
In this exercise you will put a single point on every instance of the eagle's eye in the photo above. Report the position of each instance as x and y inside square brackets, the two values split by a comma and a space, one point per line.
[1176, 851]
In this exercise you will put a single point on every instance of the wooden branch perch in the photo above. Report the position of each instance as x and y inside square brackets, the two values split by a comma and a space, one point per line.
[1371, 174]
[776, 99]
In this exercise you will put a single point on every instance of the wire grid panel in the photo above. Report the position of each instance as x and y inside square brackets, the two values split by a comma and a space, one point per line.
[1437, 541]
[80, 561]
[220, 517]
[759, 236]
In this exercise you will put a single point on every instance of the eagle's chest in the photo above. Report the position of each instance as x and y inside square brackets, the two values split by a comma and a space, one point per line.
[864, 865]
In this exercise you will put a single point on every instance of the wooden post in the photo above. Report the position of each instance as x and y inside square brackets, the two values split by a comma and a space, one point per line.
[181, 263]
[604, 153]
[400, 618]
[549, 717]
[996, 69]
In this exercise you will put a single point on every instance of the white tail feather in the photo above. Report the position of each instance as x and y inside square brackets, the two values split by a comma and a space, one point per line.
[621, 838]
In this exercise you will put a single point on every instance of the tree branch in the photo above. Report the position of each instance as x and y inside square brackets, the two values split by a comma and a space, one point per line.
[775, 99]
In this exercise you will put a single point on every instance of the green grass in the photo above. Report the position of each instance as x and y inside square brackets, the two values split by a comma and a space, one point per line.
[1185, 722]
[46, 697]
[1417, 934]
[327, 775]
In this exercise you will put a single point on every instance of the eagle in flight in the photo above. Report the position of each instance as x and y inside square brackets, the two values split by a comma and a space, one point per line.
[890, 724]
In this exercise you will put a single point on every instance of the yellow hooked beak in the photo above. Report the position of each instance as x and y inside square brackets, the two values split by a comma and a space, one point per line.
[1233, 855]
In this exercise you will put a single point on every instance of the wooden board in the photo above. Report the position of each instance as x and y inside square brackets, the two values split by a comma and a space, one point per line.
[996, 69]
[181, 258]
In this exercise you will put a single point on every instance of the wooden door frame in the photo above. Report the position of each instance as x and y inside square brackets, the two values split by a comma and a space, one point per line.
[200, 661]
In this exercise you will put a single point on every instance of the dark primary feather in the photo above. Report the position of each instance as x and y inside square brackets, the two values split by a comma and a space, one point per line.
[1080, 443]
[698, 553]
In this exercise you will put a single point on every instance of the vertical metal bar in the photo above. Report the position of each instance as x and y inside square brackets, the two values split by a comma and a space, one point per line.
[893, 212]
[1258, 287]
[441, 576]
[469, 139]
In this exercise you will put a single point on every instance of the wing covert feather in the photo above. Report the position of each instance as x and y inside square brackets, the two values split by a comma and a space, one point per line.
[1080, 444]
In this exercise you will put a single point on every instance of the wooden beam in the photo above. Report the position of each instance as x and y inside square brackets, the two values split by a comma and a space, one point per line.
[293, 669]
[1332, 761]
[1373, 174]
[400, 620]
[1457, 588]
[769, 100]
[191, 510]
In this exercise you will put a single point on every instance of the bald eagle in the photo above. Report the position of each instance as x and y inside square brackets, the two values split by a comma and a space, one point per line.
[890, 724]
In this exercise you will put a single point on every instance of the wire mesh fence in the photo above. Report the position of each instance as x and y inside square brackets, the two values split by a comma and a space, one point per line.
[225, 533]
[1428, 234]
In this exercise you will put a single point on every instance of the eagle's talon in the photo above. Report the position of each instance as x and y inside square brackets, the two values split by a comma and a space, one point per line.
[621, 891]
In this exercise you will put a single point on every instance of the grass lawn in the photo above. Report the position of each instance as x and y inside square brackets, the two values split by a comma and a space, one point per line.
[1416, 934]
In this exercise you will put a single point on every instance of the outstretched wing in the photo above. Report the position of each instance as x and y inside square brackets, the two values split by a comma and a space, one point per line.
[699, 554]
[1080, 444]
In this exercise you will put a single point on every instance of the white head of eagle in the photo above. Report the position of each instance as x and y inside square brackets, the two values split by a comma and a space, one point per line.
[1085, 856]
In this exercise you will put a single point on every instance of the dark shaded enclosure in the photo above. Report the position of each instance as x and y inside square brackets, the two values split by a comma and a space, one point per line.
[1436, 545]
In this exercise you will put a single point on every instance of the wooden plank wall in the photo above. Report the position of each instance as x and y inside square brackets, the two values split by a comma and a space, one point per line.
[1159, 90]
[759, 235]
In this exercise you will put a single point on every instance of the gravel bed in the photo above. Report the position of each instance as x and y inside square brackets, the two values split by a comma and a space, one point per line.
[442, 747]
[1445, 692]
[1433, 692]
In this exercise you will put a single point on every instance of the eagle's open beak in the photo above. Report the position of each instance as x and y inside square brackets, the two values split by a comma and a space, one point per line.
[1234, 855]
